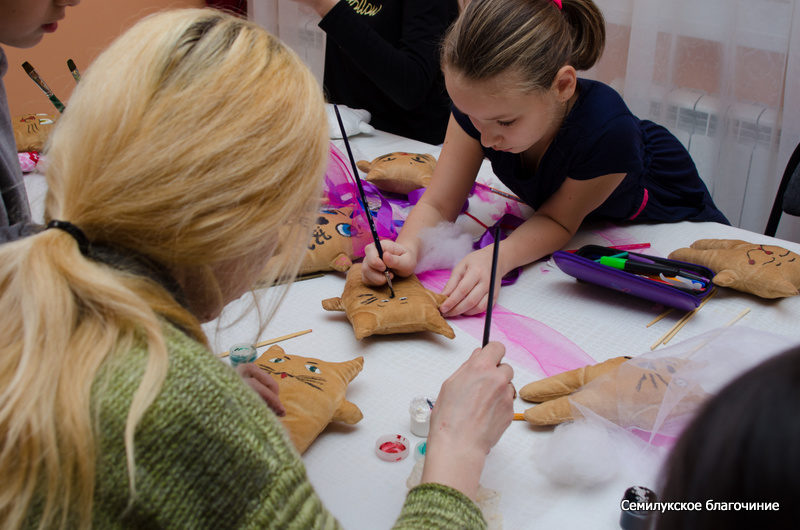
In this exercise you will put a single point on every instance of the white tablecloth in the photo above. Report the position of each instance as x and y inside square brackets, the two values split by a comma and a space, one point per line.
[367, 493]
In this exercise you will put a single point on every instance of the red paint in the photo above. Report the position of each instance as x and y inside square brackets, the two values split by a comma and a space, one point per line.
[392, 447]
[283, 374]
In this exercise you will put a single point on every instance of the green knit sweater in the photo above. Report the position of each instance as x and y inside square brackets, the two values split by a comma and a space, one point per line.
[210, 454]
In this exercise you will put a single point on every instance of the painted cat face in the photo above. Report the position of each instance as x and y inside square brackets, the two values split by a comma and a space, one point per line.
[399, 172]
[31, 131]
[372, 311]
[330, 245]
[762, 256]
[312, 391]
[303, 370]
[629, 393]
[767, 271]
[332, 224]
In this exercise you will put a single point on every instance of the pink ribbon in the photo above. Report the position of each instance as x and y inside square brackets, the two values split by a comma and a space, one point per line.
[530, 344]
[341, 190]
[558, 3]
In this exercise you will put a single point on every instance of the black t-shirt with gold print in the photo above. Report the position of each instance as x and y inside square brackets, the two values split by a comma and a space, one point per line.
[383, 56]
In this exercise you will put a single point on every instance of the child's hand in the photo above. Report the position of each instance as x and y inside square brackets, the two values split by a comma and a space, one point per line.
[396, 257]
[467, 289]
[264, 385]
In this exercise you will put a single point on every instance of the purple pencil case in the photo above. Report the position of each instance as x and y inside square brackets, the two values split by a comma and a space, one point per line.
[583, 264]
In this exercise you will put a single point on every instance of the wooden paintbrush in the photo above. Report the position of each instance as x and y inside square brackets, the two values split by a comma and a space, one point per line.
[363, 199]
[46, 89]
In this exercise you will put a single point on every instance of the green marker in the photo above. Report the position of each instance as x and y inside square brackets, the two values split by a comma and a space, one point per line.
[638, 267]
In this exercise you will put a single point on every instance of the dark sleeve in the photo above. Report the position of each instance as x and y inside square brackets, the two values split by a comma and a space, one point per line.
[17, 231]
[617, 148]
[405, 72]
[465, 123]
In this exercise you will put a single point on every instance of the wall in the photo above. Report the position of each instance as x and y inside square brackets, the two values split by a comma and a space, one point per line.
[87, 29]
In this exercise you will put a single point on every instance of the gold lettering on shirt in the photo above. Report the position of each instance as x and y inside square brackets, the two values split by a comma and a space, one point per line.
[362, 7]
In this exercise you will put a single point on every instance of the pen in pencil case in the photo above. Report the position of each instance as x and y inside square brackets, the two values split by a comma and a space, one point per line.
[684, 284]
[46, 89]
[682, 270]
[641, 267]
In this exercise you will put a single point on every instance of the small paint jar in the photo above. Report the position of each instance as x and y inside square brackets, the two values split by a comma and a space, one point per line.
[391, 447]
[242, 353]
[420, 411]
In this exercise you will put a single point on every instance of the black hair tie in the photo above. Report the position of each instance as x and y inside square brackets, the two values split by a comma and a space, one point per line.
[76, 233]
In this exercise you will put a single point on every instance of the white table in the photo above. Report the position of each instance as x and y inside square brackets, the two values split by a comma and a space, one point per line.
[365, 492]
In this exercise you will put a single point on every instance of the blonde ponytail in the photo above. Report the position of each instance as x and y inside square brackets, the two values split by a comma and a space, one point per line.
[188, 143]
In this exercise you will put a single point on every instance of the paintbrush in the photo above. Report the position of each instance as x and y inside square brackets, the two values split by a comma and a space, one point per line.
[363, 199]
[73, 70]
[487, 325]
[46, 89]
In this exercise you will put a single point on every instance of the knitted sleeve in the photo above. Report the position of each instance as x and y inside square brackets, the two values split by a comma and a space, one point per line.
[210, 454]
[435, 506]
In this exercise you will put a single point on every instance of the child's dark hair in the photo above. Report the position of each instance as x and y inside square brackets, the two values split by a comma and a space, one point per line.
[743, 447]
[532, 37]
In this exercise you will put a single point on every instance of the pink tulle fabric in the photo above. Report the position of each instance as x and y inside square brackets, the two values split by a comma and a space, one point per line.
[538, 348]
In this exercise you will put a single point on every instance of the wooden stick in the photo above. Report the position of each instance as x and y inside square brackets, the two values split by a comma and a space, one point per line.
[738, 317]
[272, 341]
[659, 317]
[657, 343]
[677, 327]
[282, 281]
[666, 337]
[500, 193]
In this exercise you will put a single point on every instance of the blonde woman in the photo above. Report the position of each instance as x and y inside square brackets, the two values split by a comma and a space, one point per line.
[185, 146]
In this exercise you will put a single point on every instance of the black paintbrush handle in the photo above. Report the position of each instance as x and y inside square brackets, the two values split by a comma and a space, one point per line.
[487, 326]
[358, 183]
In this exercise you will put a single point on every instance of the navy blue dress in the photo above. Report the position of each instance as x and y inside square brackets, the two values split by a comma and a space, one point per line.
[601, 136]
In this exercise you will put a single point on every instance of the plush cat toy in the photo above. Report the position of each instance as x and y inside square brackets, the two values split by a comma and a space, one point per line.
[371, 311]
[606, 388]
[763, 270]
[31, 131]
[331, 244]
[399, 172]
[312, 391]
[330, 247]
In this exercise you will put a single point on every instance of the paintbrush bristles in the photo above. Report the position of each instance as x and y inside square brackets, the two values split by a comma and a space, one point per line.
[73, 70]
[41, 84]
[36, 79]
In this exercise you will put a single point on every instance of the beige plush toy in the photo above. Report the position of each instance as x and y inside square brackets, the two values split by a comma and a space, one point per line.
[372, 311]
[399, 172]
[312, 391]
[31, 131]
[767, 271]
[331, 243]
[330, 247]
[607, 388]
